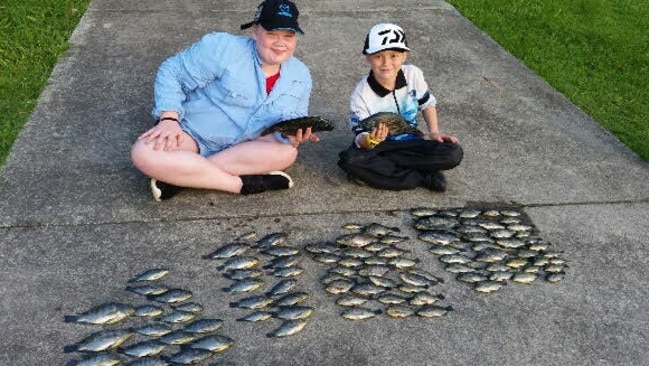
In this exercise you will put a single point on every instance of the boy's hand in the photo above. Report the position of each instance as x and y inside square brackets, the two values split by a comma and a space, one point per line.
[380, 132]
[166, 135]
[301, 136]
[440, 137]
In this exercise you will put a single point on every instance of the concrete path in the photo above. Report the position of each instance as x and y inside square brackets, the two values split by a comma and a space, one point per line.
[77, 220]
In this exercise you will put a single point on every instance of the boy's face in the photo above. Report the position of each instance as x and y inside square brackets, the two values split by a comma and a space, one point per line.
[276, 46]
[386, 64]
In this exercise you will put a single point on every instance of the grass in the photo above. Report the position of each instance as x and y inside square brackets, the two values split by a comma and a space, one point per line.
[33, 36]
[595, 52]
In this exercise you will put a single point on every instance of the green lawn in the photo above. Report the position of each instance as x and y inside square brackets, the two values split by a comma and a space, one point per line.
[33, 35]
[595, 52]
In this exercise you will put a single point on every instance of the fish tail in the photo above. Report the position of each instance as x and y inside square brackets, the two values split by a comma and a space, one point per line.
[71, 318]
[70, 348]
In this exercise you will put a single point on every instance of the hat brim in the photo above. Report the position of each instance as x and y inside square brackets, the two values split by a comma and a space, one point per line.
[373, 51]
[278, 25]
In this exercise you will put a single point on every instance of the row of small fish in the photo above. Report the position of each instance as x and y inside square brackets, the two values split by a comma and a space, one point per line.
[167, 331]
[488, 248]
[370, 274]
[249, 265]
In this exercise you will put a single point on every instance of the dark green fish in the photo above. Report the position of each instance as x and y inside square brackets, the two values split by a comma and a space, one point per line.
[256, 316]
[292, 298]
[289, 127]
[395, 123]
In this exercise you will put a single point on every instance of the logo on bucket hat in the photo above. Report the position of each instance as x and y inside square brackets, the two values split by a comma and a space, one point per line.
[276, 15]
[385, 36]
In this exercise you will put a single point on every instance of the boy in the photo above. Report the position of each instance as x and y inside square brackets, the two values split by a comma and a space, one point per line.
[396, 161]
[213, 100]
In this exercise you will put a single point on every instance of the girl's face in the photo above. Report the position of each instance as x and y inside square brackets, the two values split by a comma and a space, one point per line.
[276, 46]
[386, 64]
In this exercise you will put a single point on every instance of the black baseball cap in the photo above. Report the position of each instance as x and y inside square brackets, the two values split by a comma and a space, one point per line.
[276, 15]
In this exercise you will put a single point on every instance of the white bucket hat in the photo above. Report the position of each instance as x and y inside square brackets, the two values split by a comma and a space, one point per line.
[385, 36]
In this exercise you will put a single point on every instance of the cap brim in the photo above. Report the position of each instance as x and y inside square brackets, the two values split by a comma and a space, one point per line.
[290, 26]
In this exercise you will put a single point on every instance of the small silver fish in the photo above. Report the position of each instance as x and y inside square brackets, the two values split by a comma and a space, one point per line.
[153, 330]
[326, 258]
[359, 313]
[555, 277]
[214, 343]
[425, 298]
[172, 296]
[458, 268]
[436, 237]
[455, 258]
[99, 359]
[189, 356]
[350, 262]
[391, 299]
[178, 317]
[356, 240]
[488, 286]
[321, 247]
[471, 277]
[283, 262]
[524, 277]
[201, 326]
[148, 311]
[148, 289]
[373, 270]
[256, 316]
[144, 349]
[253, 302]
[376, 229]
[423, 211]
[338, 287]
[150, 275]
[147, 361]
[500, 276]
[288, 328]
[367, 289]
[382, 281]
[443, 249]
[242, 274]
[250, 284]
[109, 313]
[271, 240]
[102, 340]
[238, 262]
[280, 251]
[292, 298]
[177, 338]
[190, 307]
[350, 300]
[282, 287]
[288, 271]
[399, 311]
[402, 263]
[433, 311]
[414, 279]
[294, 312]
[228, 250]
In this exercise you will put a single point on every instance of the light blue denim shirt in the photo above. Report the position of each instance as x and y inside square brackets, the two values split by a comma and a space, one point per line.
[219, 89]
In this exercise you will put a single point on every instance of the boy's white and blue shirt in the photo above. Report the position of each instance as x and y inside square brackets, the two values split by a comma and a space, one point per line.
[236, 107]
[410, 96]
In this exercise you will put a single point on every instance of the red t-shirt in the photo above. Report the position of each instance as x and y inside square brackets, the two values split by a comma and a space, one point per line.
[270, 82]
